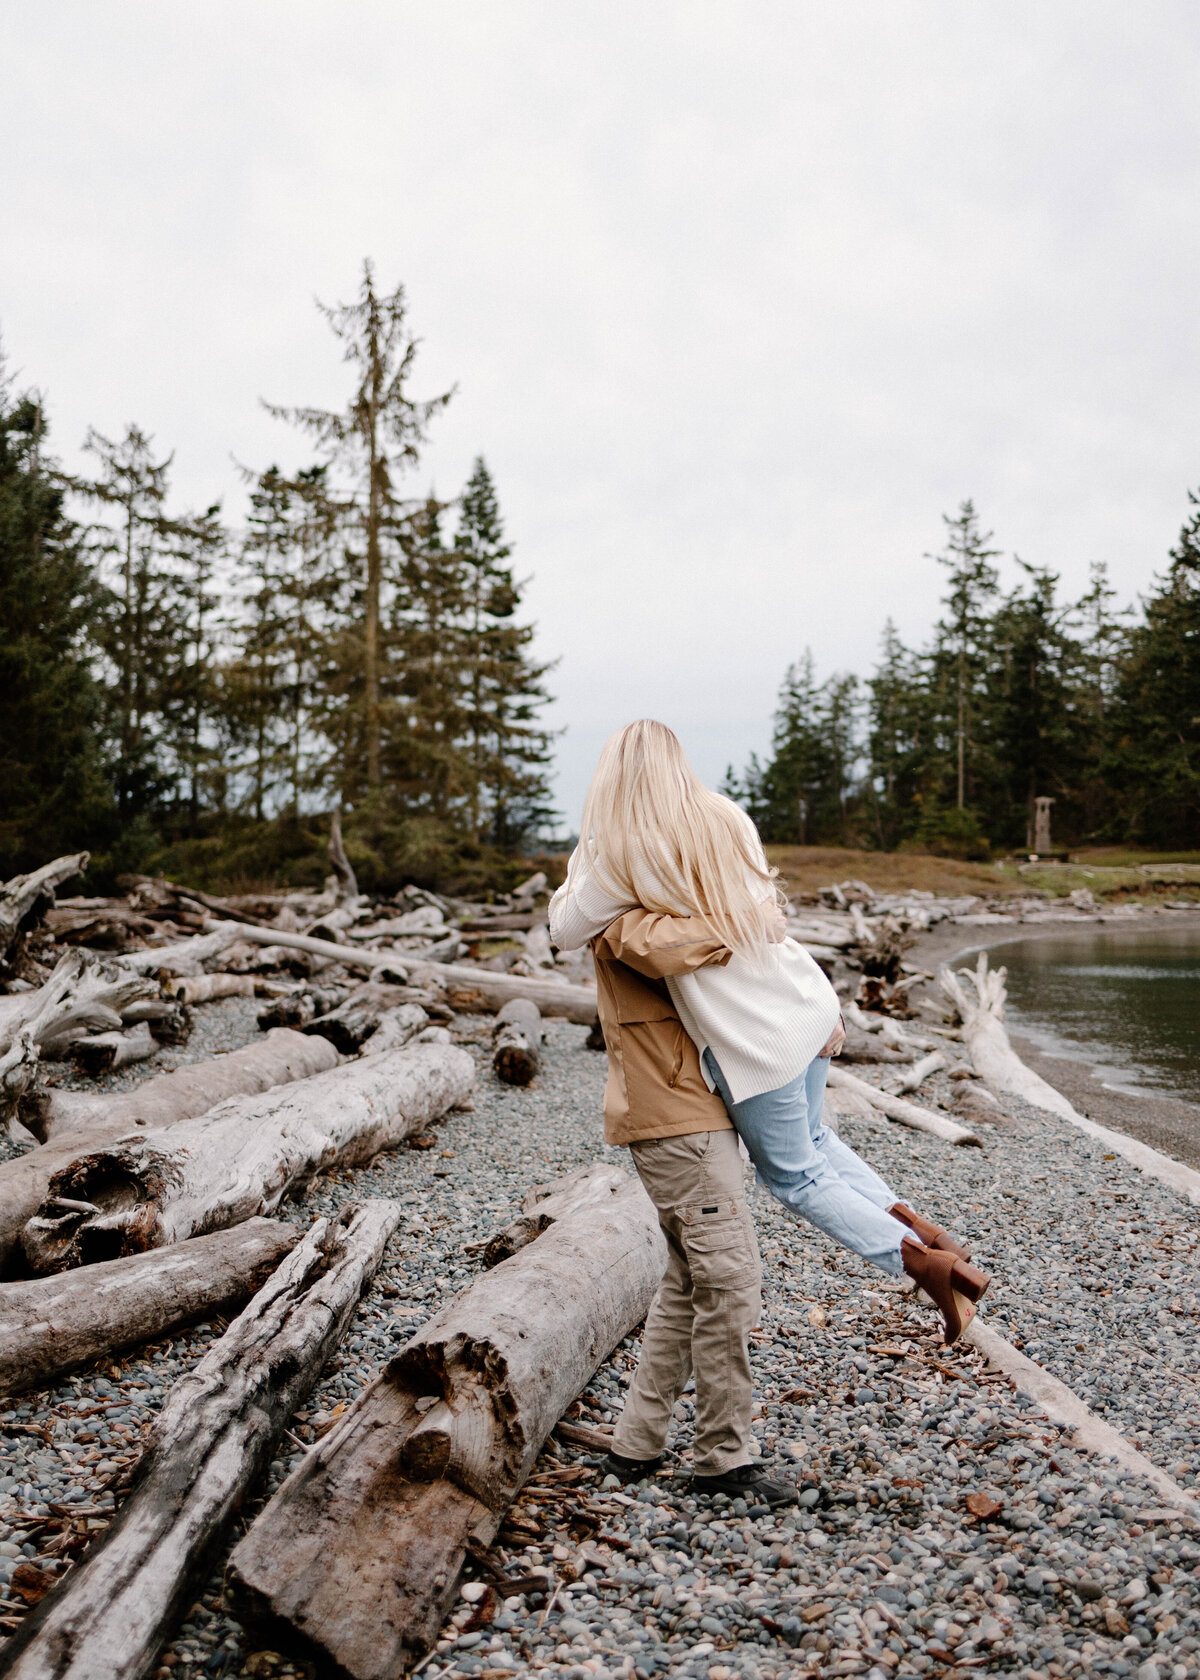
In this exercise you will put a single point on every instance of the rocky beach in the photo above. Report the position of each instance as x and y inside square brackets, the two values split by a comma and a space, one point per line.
[947, 1525]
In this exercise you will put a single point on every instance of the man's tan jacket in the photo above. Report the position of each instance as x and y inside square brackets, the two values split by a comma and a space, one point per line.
[655, 1087]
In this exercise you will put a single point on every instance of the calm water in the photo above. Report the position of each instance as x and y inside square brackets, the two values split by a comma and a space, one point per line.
[1127, 1001]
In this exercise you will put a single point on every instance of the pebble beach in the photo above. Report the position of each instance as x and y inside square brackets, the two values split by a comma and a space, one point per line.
[945, 1526]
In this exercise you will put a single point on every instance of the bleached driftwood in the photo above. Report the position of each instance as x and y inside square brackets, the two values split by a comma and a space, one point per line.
[85, 994]
[982, 1012]
[479, 987]
[75, 1122]
[903, 1111]
[398, 1027]
[106, 1052]
[206, 988]
[867, 1047]
[239, 1159]
[934, 1062]
[188, 956]
[278, 1059]
[26, 897]
[544, 1203]
[357, 1558]
[347, 885]
[517, 1042]
[214, 1437]
[355, 1020]
[298, 1008]
[49, 1326]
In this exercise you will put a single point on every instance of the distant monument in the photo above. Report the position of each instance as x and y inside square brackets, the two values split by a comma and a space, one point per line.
[1042, 843]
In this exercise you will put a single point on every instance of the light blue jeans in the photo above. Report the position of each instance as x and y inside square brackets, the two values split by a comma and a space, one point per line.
[811, 1171]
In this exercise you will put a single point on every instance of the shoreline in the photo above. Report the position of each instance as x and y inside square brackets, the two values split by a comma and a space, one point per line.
[1170, 1124]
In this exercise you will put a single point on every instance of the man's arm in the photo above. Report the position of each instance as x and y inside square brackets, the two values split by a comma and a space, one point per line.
[661, 946]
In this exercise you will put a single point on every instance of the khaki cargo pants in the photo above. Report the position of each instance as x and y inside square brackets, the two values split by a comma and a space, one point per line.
[706, 1306]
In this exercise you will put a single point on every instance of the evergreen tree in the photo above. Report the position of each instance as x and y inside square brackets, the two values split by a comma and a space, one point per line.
[507, 750]
[143, 630]
[899, 732]
[378, 436]
[961, 652]
[1155, 755]
[56, 796]
[192, 690]
[799, 796]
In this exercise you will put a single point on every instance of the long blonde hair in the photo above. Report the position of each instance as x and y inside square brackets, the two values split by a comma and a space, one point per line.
[654, 834]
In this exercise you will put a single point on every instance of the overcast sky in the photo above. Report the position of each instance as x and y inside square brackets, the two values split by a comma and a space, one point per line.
[739, 298]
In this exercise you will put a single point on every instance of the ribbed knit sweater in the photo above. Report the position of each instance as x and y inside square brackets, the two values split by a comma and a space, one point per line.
[763, 1025]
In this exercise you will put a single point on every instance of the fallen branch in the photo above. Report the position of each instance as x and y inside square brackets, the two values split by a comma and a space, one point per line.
[934, 1062]
[75, 1122]
[398, 1027]
[214, 1437]
[903, 1111]
[239, 1159]
[49, 1326]
[517, 1042]
[544, 1203]
[188, 956]
[357, 1558]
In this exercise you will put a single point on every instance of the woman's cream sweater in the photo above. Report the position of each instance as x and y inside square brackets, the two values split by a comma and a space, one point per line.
[763, 1025]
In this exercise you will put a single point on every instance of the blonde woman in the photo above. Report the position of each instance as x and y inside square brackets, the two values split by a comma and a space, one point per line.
[760, 1012]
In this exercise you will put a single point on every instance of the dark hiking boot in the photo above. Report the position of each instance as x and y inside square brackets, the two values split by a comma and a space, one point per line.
[748, 1482]
[630, 1469]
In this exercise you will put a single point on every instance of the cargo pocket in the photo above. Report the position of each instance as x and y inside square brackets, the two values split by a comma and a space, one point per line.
[719, 1241]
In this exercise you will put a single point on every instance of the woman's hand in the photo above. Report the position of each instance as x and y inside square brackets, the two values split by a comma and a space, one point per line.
[836, 1039]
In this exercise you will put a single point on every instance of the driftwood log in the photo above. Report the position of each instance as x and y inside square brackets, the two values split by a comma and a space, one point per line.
[934, 1062]
[979, 997]
[298, 1008]
[188, 956]
[162, 1101]
[278, 1059]
[357, 1558]
[52, 1325]
[352, 1023]
[480, 987]
[398, 1027]
[214, 1437]
[544, 1203]
[26, 898]
[517, 1042]
[206, 988]
[900, 1109]
[85, 994]
[106, 1052]
[240, 1159]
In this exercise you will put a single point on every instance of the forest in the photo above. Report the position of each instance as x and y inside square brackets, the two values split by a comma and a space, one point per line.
[1017, 694]
[185, 695]
[182, 695]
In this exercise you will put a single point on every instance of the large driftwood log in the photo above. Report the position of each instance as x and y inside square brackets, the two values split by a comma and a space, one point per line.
[85, 994]
[356, 1559]
[278, 1059]
[544, 1203]
[165, 1100]
[239, 1159]
[26, 897]
[215, 1435]
[517, 1042]
[52, 1325]
[900, 1109]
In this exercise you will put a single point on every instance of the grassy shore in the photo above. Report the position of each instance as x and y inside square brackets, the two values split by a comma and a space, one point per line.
[1104, 871]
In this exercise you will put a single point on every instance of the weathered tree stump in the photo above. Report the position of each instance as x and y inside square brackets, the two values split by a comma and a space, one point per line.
[239, 1159]
[517, 1042]
[355, 1561]
[52, 1325]
[106, 1052]
[26, 898]
[85, 994]
[214, 1437]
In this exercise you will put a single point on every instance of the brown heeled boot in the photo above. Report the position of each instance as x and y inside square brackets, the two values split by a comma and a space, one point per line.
[950, 1283]
[925, 1231]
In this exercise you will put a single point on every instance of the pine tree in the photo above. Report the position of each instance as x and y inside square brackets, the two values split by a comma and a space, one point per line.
[961, 654]
[1155, 755]
[508, 751]
[899, 733]
[144, 629]
[56, 796]
[378, 436]
[191, 698]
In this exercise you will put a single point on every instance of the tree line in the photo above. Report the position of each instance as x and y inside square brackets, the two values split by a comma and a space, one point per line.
[175, 687]
[1017, 694]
